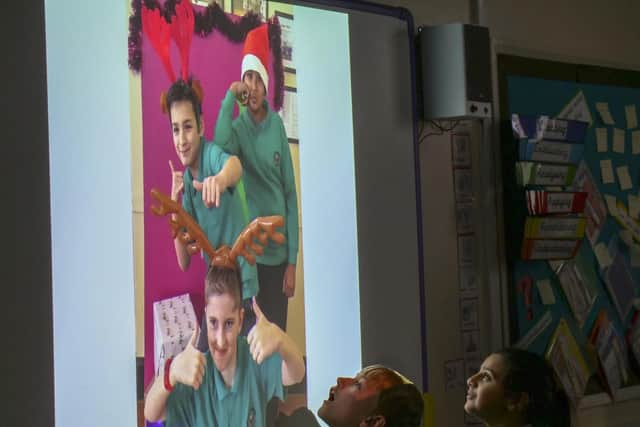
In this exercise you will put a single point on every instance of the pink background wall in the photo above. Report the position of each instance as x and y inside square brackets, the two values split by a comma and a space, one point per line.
[215, 61]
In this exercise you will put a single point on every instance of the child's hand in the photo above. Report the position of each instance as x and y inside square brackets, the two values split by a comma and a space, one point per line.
[212, 188]
[188, 367]
[240, 91]
[264, 338]
[177, 182]
[289, 281]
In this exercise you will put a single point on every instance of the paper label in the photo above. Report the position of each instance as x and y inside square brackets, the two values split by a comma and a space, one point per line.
[551, 175]
[552, 249]
[547, 151]
[559, 202]
[556, 129]
[555, 228]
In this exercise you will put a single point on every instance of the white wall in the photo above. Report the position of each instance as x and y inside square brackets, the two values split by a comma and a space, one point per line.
[91, 221]
[595, 32]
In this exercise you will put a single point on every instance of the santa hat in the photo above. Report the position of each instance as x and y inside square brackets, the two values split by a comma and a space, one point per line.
[255, 54]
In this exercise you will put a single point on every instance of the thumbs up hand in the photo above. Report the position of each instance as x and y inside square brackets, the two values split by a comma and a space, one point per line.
[177, 182]
[188, 367]
[265, 337]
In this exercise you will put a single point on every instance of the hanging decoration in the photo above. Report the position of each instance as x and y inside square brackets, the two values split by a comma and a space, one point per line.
[204, 22]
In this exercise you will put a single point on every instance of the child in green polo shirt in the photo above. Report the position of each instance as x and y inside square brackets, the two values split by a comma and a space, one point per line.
[207, 183]
[259, 140]
[231, 384]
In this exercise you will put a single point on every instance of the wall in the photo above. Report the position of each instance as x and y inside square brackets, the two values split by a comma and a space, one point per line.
[585, 31]
[589, 32]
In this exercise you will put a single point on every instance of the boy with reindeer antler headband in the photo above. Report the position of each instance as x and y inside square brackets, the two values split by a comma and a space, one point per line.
[231, 384]
[209, 176]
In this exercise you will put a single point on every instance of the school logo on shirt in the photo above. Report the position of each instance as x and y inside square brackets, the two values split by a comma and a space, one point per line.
[251, 418]
[276, 158]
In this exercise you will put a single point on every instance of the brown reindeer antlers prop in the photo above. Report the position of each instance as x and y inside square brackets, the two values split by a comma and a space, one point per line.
[260, 229]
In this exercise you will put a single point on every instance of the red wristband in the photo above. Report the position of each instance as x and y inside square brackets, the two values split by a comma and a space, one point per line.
[167, 366]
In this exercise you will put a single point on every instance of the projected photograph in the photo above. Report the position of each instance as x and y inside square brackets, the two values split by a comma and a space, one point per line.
[219, 211]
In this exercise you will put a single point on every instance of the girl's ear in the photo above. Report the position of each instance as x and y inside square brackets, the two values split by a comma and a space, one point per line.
[519, 402]
[201, 125]
[373, 421]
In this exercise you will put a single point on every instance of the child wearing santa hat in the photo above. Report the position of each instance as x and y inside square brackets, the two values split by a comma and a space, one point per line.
[257, 136]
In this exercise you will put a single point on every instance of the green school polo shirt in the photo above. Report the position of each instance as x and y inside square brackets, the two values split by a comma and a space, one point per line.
[263, 149]
[215, 405]
[223, 224]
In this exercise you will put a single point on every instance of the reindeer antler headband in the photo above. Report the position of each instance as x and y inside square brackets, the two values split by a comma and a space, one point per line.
[180, 29]
[260, 229]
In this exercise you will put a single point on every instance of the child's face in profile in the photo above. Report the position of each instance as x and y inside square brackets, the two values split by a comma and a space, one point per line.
[224, 321]
[186, 133]
[350, 400]
[485, 391]
[257, 90]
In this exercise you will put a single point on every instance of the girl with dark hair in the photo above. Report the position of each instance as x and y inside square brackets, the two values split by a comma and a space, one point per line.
[516, 388]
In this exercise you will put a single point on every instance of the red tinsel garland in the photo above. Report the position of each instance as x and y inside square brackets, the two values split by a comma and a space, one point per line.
[212, 17]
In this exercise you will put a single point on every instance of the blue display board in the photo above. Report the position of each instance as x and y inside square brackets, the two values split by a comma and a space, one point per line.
[535, 96]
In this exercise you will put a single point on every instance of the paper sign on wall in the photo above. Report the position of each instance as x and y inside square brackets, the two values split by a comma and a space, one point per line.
[454, 375]
[534, 249]
[601, 140]
[577, 109]
[635, 141]
[546, 292]
[605, 115]
[606, 169]
[624, 178]
[631, 116]
[554, 227]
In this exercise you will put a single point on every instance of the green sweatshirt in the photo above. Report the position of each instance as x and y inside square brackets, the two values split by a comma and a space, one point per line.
[268, 177]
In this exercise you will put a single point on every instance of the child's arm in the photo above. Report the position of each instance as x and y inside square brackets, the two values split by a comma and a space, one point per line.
[224, 134]
[291, 218]
[177, 187]
[212, 187]
[187, 368]
[265, 338]
[182, 255]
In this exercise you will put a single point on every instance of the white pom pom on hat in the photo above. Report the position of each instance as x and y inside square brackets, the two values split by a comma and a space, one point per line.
[255, 53]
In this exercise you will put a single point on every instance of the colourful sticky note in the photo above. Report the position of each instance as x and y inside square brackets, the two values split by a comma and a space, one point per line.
[546, 293]
[624, 178]
[634, 206]
[635, 141]
[601, 140]
[618, 140]
[632, 117]
[606, 169]
[602, 254]
[603, 109]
